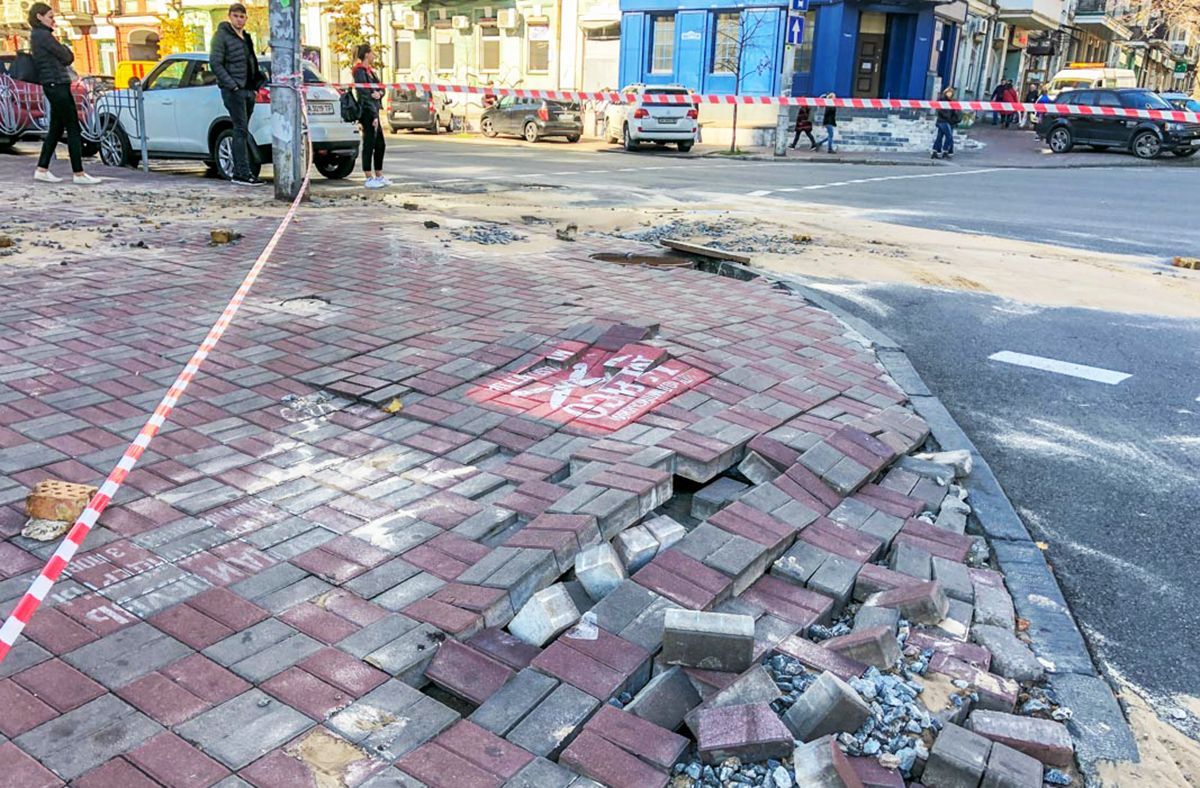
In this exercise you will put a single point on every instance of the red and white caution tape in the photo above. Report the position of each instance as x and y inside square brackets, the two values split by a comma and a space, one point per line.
[74, 539]
[617, 97]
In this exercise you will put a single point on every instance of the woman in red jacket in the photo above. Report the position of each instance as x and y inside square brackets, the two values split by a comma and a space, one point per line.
[1009, 95]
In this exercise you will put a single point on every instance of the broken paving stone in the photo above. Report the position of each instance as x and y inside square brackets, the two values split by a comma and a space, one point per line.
[751, 732]
[666, 530]
[223, 235]
[599, 569]
[715, 496]
[822, 764]
[635, 547]
[45, 530]
[876, 646]
[829, 705]
[709, 641]
[666, 699]
[546, 614]
[1010, 657]
[1008, 768]
[51, 499]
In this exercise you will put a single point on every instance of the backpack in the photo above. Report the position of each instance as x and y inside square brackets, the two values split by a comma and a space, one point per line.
[351, 108]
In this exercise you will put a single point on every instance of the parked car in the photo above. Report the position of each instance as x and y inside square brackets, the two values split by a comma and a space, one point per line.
[185, 119]
[1145, 138]
[1182, 101]
[643, 120]
[533, 119]
[416, 109]
[1078, 76]
[23, 107]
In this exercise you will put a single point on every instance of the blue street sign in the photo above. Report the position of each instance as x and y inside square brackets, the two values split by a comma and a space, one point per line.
[795, 30]
[799, 5]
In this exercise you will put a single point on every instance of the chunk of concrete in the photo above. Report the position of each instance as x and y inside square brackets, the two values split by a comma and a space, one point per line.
[546, 614]
[1010, 657]
[829, 705]
[599, 569]
[710, 641]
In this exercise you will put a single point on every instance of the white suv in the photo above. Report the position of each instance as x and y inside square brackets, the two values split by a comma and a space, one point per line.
[643, 120]
[185, 119]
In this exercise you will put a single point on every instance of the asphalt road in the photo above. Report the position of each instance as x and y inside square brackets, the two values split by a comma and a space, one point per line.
[1105, 474]
[1132, 210]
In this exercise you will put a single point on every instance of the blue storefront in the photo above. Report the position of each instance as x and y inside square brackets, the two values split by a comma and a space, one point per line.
[870, 50]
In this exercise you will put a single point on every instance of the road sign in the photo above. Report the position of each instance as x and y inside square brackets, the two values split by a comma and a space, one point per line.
[799, 5]
[795, 30]
[1181, 67]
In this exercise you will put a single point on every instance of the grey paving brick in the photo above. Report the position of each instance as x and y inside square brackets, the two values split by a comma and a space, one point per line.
[392, 720]
[245, 728]
[86, 737]
[397, 533]
[301, 542]
[541, 773]
[376, 635]
[268, 581]
[407, 656]
[155, 538]
[249, 642]
[501, 712]
[23, 655]
[289, 596]
[486, 523]
[553, 723]
[387, 575]
[408, 591]
[127, 654]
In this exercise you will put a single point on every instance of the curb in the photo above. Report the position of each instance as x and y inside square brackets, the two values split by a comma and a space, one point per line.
[1098, 726]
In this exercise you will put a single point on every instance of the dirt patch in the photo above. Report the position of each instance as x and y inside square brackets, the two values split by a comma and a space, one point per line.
[1168, 757]
[333, 762]
[939, 692]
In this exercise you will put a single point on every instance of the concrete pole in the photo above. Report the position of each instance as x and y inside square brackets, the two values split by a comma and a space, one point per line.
[785, 112]
[287, 146]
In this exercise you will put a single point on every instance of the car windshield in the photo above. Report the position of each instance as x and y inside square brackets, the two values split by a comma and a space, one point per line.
[1143, 99]
[666, 91]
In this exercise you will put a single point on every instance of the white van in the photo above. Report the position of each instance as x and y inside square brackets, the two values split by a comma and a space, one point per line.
[1078, 76]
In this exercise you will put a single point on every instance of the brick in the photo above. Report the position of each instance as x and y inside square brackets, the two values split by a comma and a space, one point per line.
[665, 530]
[263, 650]
[872, 617]
[466, 672]
[829, 705]
[392, 720]
[873, 579]
[665, 700]
[21, 771]
[923, 603]
[205, 679]
[711, 641]
[127, 654]
[1047, 740]
[506, 707]
[635, 547]
[967, 652]
[909, 559]
[993, 605]
[172, 761]
[716, 495]
[117, 773]
[52, 499]
[954, 578]
[873, 775]
[822, 764]
[553, 723]
[820, 659]
[407, 656]
[580, 670]
[484, 749]
[877, 647]
[22, 711]
[504, 647]
[545, 615]
[608, 764]
[435, 765]
[341, 670]
[306, 692]
[752, 732]
[790, 602]
[56, 683]
[1008, 768]
[162, 699]
[958, 757]
[244, 728]
[1011, 658]
[653, 744]
[753, 686]
[455, 621]
[599, 569]
[995, 693]
[80, 740]
[541, 773]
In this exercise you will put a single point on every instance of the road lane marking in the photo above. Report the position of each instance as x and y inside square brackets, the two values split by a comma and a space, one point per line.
[837, 184]
[759, 193]
[1097, 374]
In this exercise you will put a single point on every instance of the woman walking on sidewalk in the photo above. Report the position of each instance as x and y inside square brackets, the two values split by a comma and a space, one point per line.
[370, 102]
[52, 60]
[829, 121]
[804, 126]
[947, 119]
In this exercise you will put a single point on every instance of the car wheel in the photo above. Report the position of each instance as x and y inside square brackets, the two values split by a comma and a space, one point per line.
[1183, 153]
[223, 156]
[1146, 145]
[115, 150]
[684, 147]
[336, 167]
[628, 141]
[1060, 140]
[531, 132]
[395, 129]
[572, 138]
[435, 128]
[487, 128]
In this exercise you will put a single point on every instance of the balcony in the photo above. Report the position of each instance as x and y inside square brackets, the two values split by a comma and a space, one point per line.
[1102, 18]
[1032, 14]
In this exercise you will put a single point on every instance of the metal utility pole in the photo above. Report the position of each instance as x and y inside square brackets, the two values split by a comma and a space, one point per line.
[793, 36]
[287, 145]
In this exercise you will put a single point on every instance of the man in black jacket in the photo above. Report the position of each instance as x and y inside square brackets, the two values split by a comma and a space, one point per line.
[235, 64]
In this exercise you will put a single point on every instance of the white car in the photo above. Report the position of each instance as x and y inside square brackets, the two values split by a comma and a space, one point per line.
[185, 119]
[643, 120]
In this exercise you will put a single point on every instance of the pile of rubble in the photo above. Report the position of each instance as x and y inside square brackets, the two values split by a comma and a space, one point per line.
[727, 236]
[486, 234]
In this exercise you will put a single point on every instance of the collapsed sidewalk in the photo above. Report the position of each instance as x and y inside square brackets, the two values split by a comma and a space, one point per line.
[430, 519]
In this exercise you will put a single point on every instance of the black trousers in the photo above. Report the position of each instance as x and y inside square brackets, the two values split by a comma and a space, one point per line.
[812, 140]
[240, 105]
[63, 115]
[373, 143]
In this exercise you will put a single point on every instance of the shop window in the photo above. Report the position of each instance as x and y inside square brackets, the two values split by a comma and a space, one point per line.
[539, 48]
[662, 46]
[725, 43]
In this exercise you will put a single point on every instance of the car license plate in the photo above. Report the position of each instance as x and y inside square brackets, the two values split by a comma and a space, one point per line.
[566, 116]
[402, 115]
[320, 108]
[1196, 141]
[668, 120]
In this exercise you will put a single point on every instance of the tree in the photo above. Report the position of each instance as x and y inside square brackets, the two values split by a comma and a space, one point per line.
[1151, 14]
[350, 28]
[735, 48]
[175, 36]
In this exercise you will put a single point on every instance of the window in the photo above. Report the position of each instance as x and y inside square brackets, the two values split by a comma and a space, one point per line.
[725, 43]
[403, 56]
[168, 76]
[539, 48]
[1143, 99]
[202, 76]
[489, 48]
[802, 54]
[662, 46]
[444, 51]
[1105, 99]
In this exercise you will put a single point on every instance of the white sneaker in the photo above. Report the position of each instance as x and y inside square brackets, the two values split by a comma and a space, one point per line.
[83, 179]
[374, 183]
[383, 180]
[45, 176]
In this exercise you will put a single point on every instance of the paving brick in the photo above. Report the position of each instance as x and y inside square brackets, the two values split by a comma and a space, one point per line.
[872, 775]
[263, 650]
[125, 655]
[341, 670]
[80, 740]
[995, 693]
[244, 728]
[608, 764]
[599, 569]
[1011, 658]
[172, 761]
[22, 711]
[653, 744]
[506, 707]
[392, 720]
[205, 679]
[873, 579]
[21, 771]
[753, 686]
[307, 693]
[190, 626]
[1047, 740]
[466, 672]
[829, 705]
[876, 646]
[545, 615]
[551, 725]
[504, 647]
[484, 749]
[711, 641]
[541, 773]
[1008, 768]
[934, 641]
[922, 603]
[407, 656]
[666, 699]
[958, 757]
[117, 773]
[822, 764]
[453, 620]
[820, 659]
[56, 683]
[752, 732]
[790, 602]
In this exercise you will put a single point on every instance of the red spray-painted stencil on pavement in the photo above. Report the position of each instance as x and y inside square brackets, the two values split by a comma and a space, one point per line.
[592, 388]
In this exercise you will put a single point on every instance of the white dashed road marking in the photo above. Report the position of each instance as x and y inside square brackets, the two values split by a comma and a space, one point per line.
[1097, 374]
[837, 184]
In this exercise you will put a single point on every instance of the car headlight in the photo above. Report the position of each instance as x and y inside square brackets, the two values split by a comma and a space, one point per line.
[1173, 126]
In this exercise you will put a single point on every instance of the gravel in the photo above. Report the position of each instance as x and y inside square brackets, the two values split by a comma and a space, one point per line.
[487, 234]
[726, 236]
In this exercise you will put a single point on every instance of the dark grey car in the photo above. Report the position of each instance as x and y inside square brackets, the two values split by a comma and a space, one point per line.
[533, 119]
[416, 109]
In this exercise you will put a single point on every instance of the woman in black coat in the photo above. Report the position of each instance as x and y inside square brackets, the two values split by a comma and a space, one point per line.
[51, 59]
[804, 126]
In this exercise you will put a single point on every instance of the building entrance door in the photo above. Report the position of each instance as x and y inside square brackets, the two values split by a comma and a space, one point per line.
[868, 60]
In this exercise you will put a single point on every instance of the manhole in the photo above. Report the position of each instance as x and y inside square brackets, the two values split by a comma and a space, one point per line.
[652, 260]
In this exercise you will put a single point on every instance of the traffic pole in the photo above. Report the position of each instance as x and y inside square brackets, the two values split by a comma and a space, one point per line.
[789, 68]
[287, 144]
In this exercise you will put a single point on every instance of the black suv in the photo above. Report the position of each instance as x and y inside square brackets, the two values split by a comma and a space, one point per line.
[1145, 138]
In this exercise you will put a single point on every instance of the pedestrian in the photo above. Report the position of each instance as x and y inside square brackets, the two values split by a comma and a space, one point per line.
[369, 101]
[947, 119]
[1009, 96]
[804, 126]
[1031, 96]
[235, 64]
[829, 121]
[52, 62]
[997, 92]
